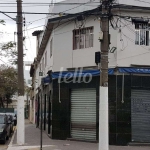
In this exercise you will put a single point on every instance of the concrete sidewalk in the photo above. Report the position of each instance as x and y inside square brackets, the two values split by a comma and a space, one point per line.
[32, 142]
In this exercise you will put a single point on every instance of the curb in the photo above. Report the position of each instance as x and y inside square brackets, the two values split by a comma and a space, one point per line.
[12, 139]
[138, 144]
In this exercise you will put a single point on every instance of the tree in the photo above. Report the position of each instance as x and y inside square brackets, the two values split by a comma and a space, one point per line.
[8, 84]
[9, 50]
[8, 75]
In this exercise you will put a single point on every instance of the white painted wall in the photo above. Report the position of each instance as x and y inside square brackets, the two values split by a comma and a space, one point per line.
[49, 59]
[88, 5]
[143, 3]
[86, 57]
[127, 52]
[126, 55]
[66, 57]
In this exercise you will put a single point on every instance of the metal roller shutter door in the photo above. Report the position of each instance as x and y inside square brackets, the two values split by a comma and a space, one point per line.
[140, 115]
[83, 114]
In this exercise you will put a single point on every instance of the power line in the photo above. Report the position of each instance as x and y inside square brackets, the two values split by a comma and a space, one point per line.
[130, 56]
[132, 40]
[59, 3]
[38, 20]
[43, 6]
[68, 30]
[25, 27]
[3, 61]
[35, 13]
[36, 27]
[78, 6]
[7, 15]
[142, 1]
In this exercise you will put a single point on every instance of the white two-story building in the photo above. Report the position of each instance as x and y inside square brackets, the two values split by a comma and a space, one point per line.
[66, 56]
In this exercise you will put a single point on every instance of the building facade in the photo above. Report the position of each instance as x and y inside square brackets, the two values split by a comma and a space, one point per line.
[68, 91]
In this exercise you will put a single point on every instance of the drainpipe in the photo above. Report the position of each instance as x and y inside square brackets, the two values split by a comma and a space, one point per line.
[59, 93]
[122, 89]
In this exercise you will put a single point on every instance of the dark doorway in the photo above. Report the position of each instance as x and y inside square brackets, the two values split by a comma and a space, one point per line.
[45, 112]
[38, 112]
[49, 113]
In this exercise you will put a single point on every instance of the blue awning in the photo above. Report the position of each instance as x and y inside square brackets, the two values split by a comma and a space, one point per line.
[69, 74]
[46, 80]
[86, 73]
[134, 70]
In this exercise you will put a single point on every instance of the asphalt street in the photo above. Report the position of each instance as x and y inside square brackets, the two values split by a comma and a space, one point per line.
[4, 146]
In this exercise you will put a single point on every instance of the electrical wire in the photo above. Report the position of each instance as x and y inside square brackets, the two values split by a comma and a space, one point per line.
[37, 20]
[142, 1]
[132, 40]
[44, 6]
[68, 22]
[57, 14]
[26, 31]
[68, 30]
[58, 3]
[131, 56]
[3, 61]
[77, 6]
[7, 15]
[34, 13]
[35, 27]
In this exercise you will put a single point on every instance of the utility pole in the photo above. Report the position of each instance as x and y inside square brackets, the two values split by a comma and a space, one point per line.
[20, 105]
[103, 101]
[41, 135]
[27, 109]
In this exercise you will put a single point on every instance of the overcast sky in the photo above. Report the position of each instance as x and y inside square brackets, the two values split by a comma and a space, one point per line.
[11, 27]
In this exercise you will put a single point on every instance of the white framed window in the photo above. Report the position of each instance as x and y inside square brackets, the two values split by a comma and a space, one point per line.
[142, 36]
[83, 38]
[51, 47]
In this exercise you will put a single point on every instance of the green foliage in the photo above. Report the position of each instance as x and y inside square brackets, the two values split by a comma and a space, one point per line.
[8, 83]
[2, 22]
[8, 75]
[9, 50]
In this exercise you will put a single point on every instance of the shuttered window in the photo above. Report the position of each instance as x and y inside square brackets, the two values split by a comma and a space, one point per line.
[83, 114]
[140, 115]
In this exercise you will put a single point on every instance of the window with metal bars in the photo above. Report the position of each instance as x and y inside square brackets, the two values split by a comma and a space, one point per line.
[83, 38]
[142, 36]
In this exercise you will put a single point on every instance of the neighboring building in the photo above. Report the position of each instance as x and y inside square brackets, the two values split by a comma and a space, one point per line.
[71, 108]
[26, 97]
[34, 103]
